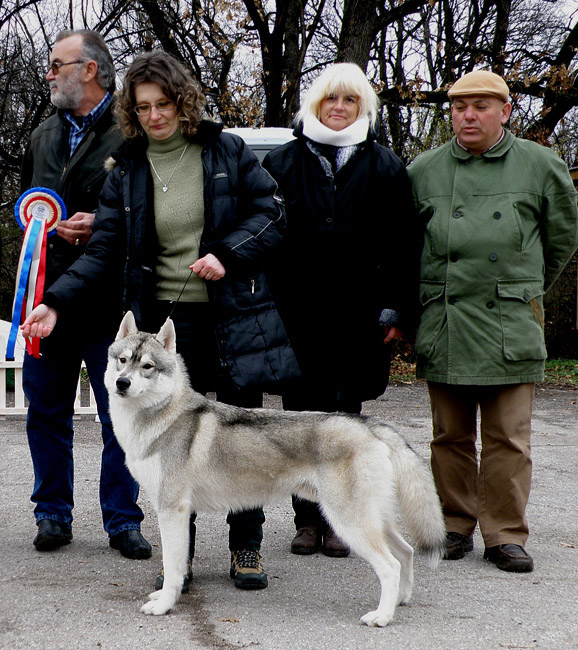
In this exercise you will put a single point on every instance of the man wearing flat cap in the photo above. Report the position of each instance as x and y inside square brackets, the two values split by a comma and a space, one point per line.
[500, 223]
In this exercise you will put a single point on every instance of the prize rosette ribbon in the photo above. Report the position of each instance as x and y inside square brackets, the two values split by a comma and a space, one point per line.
[38, 211]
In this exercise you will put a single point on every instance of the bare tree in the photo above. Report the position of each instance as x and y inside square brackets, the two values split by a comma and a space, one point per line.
[253, 58]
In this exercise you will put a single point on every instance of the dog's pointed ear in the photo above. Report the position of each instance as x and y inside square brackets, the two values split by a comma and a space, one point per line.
[127, 326]
[167, 336]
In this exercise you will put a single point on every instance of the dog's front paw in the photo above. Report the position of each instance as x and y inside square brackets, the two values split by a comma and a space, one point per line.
[376, 619]
[158, 606]
[155, 595]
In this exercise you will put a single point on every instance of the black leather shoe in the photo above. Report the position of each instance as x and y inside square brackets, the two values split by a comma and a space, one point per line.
[51, 535]
[509, 557]
[457, 545]
[131, 544]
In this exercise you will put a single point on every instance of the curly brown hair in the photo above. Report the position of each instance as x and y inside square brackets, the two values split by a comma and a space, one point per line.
[175, 81]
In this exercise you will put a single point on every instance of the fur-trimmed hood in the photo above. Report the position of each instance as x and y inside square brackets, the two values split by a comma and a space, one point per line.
[109, 164]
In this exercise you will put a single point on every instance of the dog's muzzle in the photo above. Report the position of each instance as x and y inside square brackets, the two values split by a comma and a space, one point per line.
[122, 385]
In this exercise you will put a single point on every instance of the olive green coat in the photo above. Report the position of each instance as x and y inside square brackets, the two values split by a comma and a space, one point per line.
[499, 229]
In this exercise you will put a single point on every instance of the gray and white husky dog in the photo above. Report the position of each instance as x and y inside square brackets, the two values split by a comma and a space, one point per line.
[190, 453]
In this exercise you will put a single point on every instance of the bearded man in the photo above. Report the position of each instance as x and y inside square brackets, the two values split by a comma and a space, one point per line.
[66, 154]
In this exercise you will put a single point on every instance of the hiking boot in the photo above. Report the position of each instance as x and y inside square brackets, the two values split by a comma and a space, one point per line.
[307, 541]
[187, 578]
[332, 545]
[457, 545]
[509, 557]
[247, 571]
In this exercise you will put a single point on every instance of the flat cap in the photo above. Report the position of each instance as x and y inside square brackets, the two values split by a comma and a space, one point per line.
[480, 82]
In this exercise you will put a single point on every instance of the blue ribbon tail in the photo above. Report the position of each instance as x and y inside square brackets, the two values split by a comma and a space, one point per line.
[21, 288]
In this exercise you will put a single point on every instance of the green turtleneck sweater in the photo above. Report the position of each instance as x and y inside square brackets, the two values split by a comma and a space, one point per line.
[179, 216]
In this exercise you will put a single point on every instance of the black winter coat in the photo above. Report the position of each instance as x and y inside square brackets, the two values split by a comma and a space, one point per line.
[351, 249]
[78, 181]
[244, 223]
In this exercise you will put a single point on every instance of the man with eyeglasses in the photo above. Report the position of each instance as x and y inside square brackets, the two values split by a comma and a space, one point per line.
[66, 153]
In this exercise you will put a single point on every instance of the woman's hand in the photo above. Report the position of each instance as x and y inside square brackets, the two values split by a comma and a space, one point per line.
[208, 268]
[40, 323]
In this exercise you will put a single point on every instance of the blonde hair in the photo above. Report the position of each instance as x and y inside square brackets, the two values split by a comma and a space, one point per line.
[347, 78]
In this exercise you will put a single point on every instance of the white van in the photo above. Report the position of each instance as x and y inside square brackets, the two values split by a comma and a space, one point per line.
[263, 140]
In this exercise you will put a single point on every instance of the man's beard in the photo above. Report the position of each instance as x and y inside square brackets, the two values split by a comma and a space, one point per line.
[67, 96]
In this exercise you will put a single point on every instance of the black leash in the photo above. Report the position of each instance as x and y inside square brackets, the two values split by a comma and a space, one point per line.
[175, 302]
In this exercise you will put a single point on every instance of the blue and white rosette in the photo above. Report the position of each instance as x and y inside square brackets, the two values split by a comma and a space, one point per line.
[38, 211]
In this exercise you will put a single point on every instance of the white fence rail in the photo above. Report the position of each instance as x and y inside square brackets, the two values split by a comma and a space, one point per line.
[13, 401]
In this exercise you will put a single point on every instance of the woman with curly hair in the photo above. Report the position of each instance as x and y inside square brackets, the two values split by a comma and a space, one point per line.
[192, 218]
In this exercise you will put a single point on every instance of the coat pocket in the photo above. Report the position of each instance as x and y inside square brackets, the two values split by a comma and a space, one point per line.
[433, 316]
[522, 319]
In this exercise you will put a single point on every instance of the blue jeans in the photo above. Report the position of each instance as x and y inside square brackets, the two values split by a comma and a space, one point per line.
[50, 385]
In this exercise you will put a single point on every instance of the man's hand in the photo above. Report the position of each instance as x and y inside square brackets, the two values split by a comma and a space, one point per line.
[40, 323]
[391, 333]
[77, 229]
[208, 268]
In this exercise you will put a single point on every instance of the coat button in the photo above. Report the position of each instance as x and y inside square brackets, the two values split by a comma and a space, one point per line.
[526, 296]
[490, 305]
[454, 257]
[127, 209]
[329, 220]
[497, 215]
[458, 214]
[493, 257]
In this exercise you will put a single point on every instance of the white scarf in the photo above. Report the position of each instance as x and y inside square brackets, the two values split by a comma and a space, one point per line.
[355, 133]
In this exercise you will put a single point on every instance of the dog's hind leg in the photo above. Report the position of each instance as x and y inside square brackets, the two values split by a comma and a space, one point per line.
[359, 507]
[369, 541]
[404, 554]
[174, 528]
[387, 569]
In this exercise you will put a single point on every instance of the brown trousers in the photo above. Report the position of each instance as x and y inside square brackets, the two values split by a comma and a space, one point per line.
[493, 493]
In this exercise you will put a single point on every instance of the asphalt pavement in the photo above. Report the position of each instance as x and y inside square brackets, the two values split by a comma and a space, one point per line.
[86, 596]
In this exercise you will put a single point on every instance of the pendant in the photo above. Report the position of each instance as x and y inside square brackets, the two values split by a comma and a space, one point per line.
[165, 188]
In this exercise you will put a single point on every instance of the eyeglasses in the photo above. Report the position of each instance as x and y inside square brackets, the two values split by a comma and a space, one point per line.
[56, 65]
[162, 107]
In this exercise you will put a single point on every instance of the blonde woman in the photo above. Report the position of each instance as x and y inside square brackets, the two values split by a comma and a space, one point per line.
[349, 258]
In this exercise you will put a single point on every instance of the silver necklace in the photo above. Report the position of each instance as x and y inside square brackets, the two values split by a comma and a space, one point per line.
[166, 185]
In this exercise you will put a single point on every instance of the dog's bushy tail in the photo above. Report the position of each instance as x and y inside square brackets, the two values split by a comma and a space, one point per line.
[418, 499]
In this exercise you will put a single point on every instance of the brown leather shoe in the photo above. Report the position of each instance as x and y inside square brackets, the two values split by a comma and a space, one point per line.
[509, 557]
[457, 545]
[332, 545]
[306, 542]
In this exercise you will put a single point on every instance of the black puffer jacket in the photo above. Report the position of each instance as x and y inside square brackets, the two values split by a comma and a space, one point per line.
[78, 182]
[351, 249]
[244, 223]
